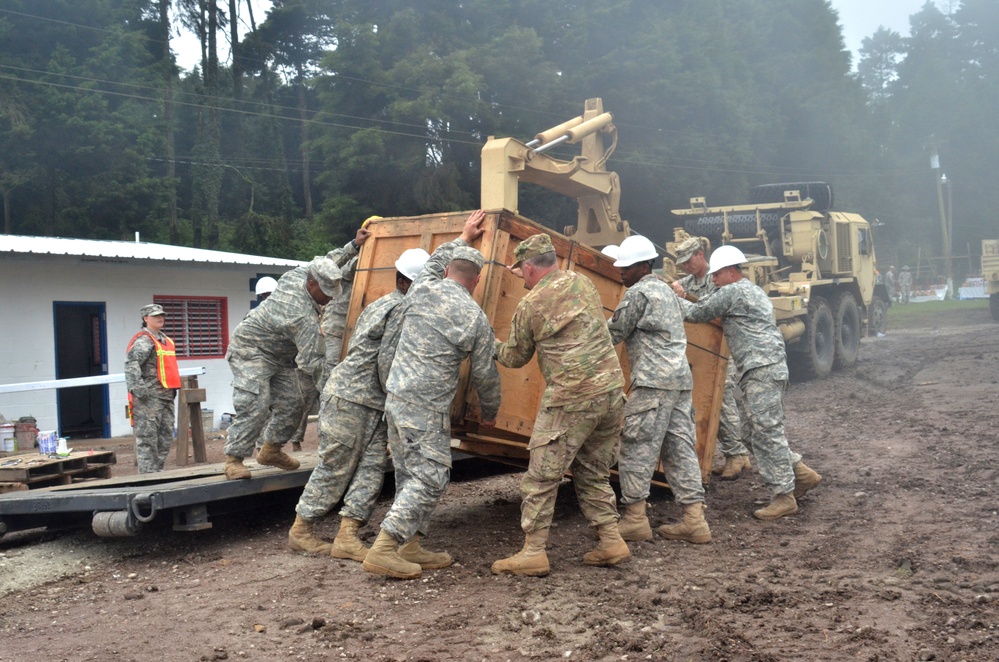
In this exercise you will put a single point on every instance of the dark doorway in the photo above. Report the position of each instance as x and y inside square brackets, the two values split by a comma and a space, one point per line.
[81, 351]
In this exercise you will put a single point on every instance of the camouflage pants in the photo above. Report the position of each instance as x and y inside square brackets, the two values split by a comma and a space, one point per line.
[268, 401]
[352, 441]
[310, 396]
[659, 424]
[153, 428]
[584, 437]
[763, 401]
[420, 442]
[730, 423]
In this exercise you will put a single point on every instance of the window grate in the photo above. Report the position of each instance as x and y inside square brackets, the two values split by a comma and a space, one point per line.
[198, 325]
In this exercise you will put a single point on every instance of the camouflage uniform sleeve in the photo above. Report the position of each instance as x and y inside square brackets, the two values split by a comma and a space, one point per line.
[625, 319]
[519, 347]
[311, 352]
[390, 342]
[434, 269]
[713, 305]
[141, 349]
[484, 374]
[344, 255]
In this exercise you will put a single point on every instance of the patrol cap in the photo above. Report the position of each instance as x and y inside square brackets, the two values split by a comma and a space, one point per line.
[536, 244]
[151, 310]
[468, 254]
[327, 274]
[687, 248]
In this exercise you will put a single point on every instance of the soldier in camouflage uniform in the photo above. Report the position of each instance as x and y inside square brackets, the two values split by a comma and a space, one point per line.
[579, 421]
[757, 348]
[659, 415]
[277, 339]
[152, 380]
[441, 327]
[697, 283]
[352, 431]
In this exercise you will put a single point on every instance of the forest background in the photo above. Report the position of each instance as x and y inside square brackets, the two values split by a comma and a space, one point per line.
[329, 111]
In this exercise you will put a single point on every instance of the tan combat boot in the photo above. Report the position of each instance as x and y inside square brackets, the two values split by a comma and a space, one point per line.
[693, 528]
[346, 544]
[805, 479]
[782, 506]
[273, 456]
[302, 539]
[734, 465]
[383, 559]
[234, 468]
[531, 561]
[611, 550]
[427, 560]
[634, 524]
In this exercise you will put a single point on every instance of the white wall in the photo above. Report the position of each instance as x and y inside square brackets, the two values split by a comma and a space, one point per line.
[32, 283]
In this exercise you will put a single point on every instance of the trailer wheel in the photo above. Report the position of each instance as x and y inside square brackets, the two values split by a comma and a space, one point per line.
[819, 347]
[994, 305]
[847, 330]
[877, 317]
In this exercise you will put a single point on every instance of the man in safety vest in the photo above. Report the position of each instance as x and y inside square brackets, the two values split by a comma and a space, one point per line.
[152, 377]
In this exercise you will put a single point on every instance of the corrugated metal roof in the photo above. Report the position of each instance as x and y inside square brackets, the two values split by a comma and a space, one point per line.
[131, 250]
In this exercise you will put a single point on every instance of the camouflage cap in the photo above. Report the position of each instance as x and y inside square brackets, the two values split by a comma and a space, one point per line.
[687, 248]
[469, 254]
[327, 274]
[151, 310]
[536, 244]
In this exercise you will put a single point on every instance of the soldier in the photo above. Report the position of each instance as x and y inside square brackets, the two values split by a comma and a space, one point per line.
[904, 285]
[891, 283]
[441, 327]
[352, 433]
[760, 358]
[580, 417]
[690, 258]
[659, 415]
[152, 378]
[280, 337]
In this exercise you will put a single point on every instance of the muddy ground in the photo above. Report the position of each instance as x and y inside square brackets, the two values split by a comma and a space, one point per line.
[894, 557]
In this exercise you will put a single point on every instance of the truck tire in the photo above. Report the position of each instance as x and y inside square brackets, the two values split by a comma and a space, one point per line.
[877, 317]
[846, 339]
[994, 305]
[818, 348]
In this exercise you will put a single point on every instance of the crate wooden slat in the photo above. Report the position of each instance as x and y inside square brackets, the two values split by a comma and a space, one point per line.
[43, 471]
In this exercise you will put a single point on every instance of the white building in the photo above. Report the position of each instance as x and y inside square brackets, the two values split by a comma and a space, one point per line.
[69, 307]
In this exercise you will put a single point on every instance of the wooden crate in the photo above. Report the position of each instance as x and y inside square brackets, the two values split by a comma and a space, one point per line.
[498, 293]
[36, 470]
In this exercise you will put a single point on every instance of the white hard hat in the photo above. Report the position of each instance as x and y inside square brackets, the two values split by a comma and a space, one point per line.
[634, 249]
[411, 262]
[265, 285]
[611, 251]
[725, 256]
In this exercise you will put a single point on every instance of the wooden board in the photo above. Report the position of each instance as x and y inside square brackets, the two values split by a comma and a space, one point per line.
[498, 293]
[36, 470]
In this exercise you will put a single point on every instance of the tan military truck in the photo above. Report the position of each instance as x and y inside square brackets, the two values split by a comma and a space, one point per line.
[816, 264]
[990, 272]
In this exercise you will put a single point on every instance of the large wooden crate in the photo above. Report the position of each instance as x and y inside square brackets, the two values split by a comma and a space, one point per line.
[498, 293]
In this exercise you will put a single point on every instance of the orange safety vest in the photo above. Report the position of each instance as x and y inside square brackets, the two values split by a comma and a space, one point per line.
[166, 359]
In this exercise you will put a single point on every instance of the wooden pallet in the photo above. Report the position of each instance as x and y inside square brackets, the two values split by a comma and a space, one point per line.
[35, 470]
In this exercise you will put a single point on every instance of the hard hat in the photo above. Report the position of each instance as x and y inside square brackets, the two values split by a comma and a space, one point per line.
[411, 262]
[725, 256]
[634, 249]
[611, 250]
[265, 285]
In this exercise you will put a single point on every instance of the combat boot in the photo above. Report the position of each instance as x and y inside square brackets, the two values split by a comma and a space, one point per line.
[781, 506]
[427, 560]
[734, 465]
[273, 456]
[531, 561]
[235, 469]
[346, 544]
[611, 550]
[693, 528]
[383, 559]
[302, 539]
[805, 479]
[634, 524]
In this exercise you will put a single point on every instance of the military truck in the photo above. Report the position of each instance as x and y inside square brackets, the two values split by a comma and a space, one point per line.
[816, 264]
[990, 272]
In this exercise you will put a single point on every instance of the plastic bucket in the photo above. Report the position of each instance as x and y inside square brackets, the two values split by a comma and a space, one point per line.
[207, 420]
[25, 435]
[7, 442]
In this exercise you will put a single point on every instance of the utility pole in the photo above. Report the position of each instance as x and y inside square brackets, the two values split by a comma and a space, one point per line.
[941, 179]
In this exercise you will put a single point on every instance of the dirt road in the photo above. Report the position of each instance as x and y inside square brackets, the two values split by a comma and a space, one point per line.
[894, 557]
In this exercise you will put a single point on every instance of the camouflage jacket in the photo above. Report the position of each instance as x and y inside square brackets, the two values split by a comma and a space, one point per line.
[335, 315]
[650, 322]
[698, 288]
[748, 321]
[356, 378]
[284, 329]
[141, 377]
[441, 326]
[562, 319]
